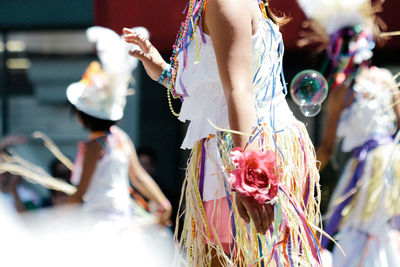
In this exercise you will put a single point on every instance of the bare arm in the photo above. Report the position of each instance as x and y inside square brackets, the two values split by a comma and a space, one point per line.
[143, 181]
[230, 25]
[92, 153]
[146, 185]
[335, 107]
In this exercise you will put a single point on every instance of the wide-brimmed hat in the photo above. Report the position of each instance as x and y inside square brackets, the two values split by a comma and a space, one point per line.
[102, 91]
[93, 94]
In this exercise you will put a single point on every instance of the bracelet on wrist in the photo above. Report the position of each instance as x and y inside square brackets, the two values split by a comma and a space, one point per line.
[166, 73]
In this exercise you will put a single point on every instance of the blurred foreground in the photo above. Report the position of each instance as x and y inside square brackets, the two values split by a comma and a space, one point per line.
[67, 237]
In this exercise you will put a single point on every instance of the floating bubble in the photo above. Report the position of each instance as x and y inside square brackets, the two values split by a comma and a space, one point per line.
[309, 89]
[310, 110]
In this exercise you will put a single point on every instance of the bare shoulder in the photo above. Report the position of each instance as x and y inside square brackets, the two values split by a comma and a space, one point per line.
[119, 131]
[231, 11]
[236, 9]
[124, 137]
[93, 149]
[229, 4]
[93, 145]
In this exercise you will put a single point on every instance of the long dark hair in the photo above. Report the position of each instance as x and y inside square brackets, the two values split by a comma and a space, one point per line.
[92, 123]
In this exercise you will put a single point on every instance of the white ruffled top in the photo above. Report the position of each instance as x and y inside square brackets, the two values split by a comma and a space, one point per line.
[206, 100]
[371, 114]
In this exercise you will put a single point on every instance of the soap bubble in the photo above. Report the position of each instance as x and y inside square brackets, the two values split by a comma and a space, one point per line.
[308, 90]
[310, 110]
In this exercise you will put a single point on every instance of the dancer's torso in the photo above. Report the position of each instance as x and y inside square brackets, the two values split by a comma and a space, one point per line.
[206, 101]
[108, 190]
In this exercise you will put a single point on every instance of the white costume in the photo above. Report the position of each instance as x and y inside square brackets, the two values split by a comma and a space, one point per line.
[368, 125]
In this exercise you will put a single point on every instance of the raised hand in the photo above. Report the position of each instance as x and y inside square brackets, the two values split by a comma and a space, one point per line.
[152, 61]
[261, 214]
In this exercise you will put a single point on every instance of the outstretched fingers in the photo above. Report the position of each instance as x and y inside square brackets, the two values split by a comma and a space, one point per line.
[138, 54]
[152, 61]
[135, 38]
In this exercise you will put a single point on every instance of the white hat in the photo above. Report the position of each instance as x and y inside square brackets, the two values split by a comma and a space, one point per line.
[102, 91]
[93, 95]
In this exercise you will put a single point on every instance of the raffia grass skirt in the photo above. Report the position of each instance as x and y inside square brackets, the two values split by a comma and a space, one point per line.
[292, 239]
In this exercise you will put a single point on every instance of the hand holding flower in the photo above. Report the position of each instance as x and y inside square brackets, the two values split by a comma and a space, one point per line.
[262, 215]
[256, 174]
[256, 182]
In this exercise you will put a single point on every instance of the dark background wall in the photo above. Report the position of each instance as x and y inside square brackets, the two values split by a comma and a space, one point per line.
[163, 18]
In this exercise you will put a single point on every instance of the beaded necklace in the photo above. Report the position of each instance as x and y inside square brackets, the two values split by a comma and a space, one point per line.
[184, 37]
[186, 34]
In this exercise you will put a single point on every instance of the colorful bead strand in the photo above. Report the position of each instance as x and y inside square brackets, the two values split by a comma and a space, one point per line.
[184, 37]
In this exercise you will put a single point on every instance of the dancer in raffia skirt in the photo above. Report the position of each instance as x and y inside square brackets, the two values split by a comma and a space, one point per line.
[363, 111]
[252, 186]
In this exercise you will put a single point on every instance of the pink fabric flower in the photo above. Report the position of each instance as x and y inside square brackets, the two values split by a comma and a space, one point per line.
[256, 174]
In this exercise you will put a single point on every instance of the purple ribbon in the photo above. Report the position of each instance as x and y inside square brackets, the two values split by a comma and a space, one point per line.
[202, 166]
[185, 93]
[307, 191]
[360, 153]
